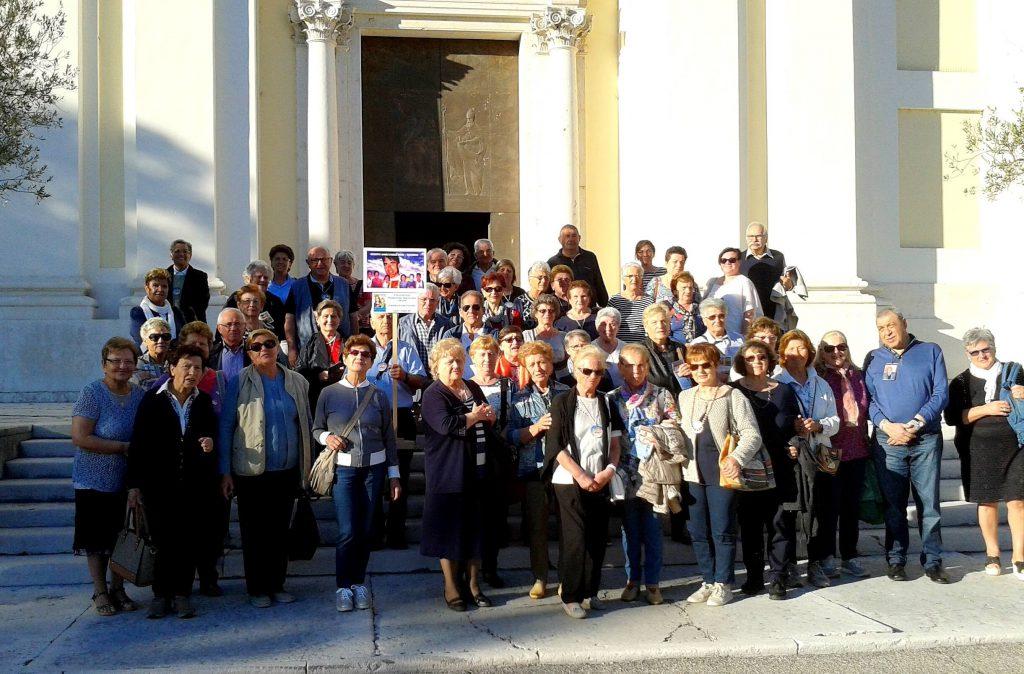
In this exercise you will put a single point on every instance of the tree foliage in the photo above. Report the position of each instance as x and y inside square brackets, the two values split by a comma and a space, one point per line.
[995, 142]
[33, 68]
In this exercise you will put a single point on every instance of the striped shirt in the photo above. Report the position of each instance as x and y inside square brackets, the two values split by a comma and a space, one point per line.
[631, 329]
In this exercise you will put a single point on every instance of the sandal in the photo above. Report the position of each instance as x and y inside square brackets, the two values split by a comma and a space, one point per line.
[993, 567]
[122, 601]
[105, 609]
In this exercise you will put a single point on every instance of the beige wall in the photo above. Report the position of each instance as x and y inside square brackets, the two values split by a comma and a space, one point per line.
[936, 35]
[755, 175]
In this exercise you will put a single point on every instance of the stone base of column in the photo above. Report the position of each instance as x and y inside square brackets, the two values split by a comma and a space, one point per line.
[849, 309]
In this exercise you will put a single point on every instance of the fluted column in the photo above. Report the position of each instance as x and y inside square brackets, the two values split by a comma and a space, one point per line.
[323, 22]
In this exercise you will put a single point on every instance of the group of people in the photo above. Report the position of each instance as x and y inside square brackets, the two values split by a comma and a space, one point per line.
[702, 404]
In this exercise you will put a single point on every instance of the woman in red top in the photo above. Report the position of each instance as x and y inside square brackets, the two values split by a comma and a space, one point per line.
[320, 358]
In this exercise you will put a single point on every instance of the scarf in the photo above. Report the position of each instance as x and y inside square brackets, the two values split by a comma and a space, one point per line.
[636, 416]
[165, 312]
[990, 377]
[850, 409]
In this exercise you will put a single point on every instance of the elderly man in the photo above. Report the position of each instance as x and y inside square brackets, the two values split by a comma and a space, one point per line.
[190, 288]
[300, 309]
[437, 260]
[424, 328]
[228, 354]
[259, 273]
[583, 263]
[764, 266]
[470, 325]
[906, 382]
[483, 251]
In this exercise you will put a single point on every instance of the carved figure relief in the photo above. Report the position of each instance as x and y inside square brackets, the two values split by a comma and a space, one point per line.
[469, 169]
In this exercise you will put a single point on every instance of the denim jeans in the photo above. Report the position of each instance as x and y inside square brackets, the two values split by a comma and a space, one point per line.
[641, 537]
[713, 530]
[356, 492]
[900, 468]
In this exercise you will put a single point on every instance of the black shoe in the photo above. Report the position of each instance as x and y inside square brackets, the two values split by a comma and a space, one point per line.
[776, 590]
[752, 588]
[494, 580]
[896, 572]
[457, 604]
[211, 590]
[482, 601]
[937, 575]
[791, 580]
[682, 537]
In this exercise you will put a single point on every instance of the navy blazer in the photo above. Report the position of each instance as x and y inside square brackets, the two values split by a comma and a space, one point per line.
[195, 294]
[445, 444]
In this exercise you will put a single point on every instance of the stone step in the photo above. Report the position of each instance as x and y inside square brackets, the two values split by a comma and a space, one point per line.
[16, 515]
[957, 513]
[47, 490]
[51, 430]
[40, 448]
[950, 468]
[964, 538]
[36, 540]
[22, 469]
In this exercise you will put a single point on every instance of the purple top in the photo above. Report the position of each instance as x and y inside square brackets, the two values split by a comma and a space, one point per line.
[853, 440]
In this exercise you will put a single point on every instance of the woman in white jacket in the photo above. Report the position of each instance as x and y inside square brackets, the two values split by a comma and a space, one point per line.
[817, 423]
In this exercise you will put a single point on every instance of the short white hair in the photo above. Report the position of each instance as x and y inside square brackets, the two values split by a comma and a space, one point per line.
[254, 266]
[609, 312]
[712, 303]
[230, 310]
[152, 325]
[429, 287]
[435, 251]
[755, 223]
[480, 242]
[975, 335]
[635, 265]
[450, 275]
[539, 265]
[345, 255]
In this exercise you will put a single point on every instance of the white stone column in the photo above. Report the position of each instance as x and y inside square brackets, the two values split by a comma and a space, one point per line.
[559, 33]
[323, 21]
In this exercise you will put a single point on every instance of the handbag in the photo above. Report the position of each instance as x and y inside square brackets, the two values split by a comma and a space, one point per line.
[303, 531]
[756, 474]
[321, 475]
[825, 456]
[134, 555]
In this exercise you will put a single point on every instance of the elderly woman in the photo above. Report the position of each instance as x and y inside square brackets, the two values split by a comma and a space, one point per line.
[736, 290]
[529, 421]
[172, 473]
[156, 342]
[539, 277]
[320, 359]
[607, 324]
[983, 403]
[366, 455]
[581, 455]
[448, 281]
[708, 412]
[660, 287]
[561, 279]
[644, 254]
[264, 452]
[714, 313]
[510, 340]
[456, 416]
[641, 404]
[498, 313]
[667, 366]
[156, 305]
[575, 342]
[545, 312]
[685, 322]
[765, 521]
[817, 423]
[507, 268]
[631, 303]
[259, 273]
[102, 421]
[437, 259]
[459, 257]
[250, 300]
[580, 315]
[765, 330]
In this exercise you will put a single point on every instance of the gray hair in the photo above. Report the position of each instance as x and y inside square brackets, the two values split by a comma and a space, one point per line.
[712, 303]
[230, 310]
[344, 255]
[975, 335]
[577, 333]
[151, 325]
[609, 312]
[450, 275]
[177, 241]
[480, 242]
[429, 287]
[632, 264]
[890, 310]
[539, 265]
[434, 251]
[755, 223]
[254, 266]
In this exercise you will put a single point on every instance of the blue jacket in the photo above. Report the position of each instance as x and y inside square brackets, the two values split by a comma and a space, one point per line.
[920, 385]
[305, 307]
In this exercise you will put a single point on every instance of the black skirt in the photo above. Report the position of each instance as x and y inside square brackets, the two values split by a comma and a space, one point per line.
[99, 518]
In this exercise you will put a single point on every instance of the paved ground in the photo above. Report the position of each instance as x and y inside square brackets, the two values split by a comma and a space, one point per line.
[53, 628]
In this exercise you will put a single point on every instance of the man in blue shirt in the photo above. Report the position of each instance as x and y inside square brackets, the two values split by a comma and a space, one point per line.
[906, 380]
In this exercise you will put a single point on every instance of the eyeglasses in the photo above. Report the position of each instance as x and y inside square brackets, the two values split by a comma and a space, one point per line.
[728, 260]
[701, 366]
[715, 317]
[539, 278]
[117, 362]
[633, 276]
[259, 346]
[230, 326]
[587, 372]
[160, 337]
[446, 285]
[359, 353]
[832, 348]
[190, 367]
[543, 311]
[977, 352]
[250, 300]
[471, 307]
[755, 358]
[513, 339]
[318, 260]
[494, 289]
[756, 236]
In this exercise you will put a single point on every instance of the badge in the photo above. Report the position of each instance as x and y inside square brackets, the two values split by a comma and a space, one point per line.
[889, 371]
[698, 426]
[597, 431]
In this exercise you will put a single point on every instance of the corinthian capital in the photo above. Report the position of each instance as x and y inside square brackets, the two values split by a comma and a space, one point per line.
[322, 20]
[560, 28]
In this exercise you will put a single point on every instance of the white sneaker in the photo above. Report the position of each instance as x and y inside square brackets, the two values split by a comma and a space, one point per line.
[574, 610]
[1018, 570]
[702, 594]
[362, 596]
[816, 575]
[828, 565]
[721, 594]
[343, 599]
[593, 604]
[854, 568]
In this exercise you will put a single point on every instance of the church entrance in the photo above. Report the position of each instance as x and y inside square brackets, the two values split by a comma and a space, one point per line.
[441, 142]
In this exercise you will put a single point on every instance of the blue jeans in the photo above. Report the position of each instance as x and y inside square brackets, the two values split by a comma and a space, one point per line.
[900, 468]
[356, 492]
[641, 536]
[713, 530]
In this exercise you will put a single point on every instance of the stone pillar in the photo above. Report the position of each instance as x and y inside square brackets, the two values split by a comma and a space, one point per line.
[559, 34]
[323, 21]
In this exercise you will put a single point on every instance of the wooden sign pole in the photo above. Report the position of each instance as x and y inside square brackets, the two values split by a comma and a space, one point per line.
[394, 382]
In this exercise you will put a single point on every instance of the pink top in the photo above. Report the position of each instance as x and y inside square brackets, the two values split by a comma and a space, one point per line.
[852, 439]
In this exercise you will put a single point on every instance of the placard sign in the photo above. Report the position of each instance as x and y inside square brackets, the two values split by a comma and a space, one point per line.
[394, 270]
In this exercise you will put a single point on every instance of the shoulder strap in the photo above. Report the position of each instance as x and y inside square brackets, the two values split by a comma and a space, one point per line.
[503, 413]
[363, 404]
[1010, 373]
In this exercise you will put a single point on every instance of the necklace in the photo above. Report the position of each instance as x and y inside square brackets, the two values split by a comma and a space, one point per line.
[596, 429]
[698, 423]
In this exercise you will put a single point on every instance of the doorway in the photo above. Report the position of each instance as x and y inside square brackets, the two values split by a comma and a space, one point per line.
[432, 230]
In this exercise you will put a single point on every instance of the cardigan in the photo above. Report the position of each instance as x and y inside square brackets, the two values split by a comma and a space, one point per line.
[373, 432]
[562, 434]
[446, 443]
[744, 423]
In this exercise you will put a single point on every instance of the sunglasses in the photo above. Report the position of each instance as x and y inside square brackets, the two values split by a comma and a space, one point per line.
[259, 346]
[513, 340]
[728, 260]
[471, 307]
[359, 353]
[977, 352]
[832, 348]
[715, 317]
[587, 372]
[160, 337]
[701, 366]
[446, 285]
[758, 357]
[495, 289]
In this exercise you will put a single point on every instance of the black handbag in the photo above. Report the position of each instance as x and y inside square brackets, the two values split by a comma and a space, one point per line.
[303, 532]
[134, 555]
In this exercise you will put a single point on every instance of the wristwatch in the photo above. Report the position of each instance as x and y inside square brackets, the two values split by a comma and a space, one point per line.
[915, 424]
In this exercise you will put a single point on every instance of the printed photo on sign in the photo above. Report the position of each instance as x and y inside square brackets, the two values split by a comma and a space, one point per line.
[394, 269]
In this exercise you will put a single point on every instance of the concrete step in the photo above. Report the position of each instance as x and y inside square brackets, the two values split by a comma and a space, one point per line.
[51, 430]
[950, 468]
[957, 513]
[36, 540]
[47, 490]
[16, 515]
[963, 538]
[40, 448]
[22, 469]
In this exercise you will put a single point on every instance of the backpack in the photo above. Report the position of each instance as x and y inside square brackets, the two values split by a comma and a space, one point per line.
[1011, 371]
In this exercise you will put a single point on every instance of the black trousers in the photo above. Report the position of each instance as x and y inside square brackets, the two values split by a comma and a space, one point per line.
[584, 523]
[173, 518]
[494, 535]
[212, 529]
[265, 505]
[766, 530]
[535, 525]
